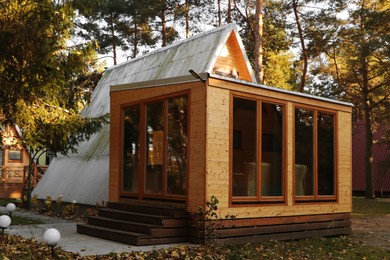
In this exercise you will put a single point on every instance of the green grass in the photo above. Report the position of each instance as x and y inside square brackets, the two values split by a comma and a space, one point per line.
[17, 220]
[4, 202]
[365, 208]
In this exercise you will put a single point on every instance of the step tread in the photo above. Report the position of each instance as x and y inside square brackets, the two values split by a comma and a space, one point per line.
[106, 229]
[134, 213]
[125, 222]
[127, 237]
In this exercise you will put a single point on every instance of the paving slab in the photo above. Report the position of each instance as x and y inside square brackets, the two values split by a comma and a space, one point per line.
[72, 241]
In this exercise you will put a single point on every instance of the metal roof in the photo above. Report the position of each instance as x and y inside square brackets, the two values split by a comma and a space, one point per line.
[83, 176]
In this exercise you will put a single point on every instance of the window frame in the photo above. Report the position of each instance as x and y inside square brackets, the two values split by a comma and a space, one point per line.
[259, 199]
[20, 160]
[141, 194]
[316, 197]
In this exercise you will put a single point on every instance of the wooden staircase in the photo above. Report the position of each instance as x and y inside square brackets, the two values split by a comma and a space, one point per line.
[139, 223]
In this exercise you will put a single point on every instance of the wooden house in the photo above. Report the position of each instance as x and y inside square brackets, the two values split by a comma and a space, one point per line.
[188, 123]
[14, 163]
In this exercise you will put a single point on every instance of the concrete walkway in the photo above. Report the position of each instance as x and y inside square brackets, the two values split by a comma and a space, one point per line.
[71, 241]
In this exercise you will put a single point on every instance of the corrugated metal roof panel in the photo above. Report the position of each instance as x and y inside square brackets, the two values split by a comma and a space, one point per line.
[85, 182]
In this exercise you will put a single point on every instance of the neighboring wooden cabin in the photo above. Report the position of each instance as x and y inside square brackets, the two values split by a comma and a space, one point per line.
[14, 162]
[380, 163]
[278, 161]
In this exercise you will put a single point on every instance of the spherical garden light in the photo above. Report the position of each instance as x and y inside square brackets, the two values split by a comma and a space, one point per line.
[51, 237]
[10, 208]
[5, 221]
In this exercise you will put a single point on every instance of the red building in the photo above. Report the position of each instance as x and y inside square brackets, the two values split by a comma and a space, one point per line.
[380, 164]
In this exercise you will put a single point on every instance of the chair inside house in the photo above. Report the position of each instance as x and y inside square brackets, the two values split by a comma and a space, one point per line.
[300, 175]
[250, 172]
[266, 181]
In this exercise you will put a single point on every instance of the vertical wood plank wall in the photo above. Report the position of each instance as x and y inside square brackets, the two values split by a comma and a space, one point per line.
[217, 171]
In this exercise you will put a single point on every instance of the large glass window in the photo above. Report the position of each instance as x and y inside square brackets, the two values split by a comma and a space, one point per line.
[326, 141]
[314, 154]
[244, 155]
[257, 150]
[160, 130]
[154, 147]
[177, 146]
[131, 149]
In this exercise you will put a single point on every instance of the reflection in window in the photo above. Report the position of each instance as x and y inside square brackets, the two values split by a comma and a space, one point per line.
[244, 158]
[325, 137]
[271, 152]
[314, 154]
[304, 152]
[177, 146]
[251, 169]
[154, 147]
[130, 149]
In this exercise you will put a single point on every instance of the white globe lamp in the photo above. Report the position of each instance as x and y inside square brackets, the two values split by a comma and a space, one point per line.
[51, 237]
[10, 208]
[5, 221]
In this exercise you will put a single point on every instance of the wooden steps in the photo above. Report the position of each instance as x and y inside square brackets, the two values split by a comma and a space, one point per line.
[139, 223]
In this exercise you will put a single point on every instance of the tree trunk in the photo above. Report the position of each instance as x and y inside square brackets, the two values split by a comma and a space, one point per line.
[135, 42]
[187, 20]
[302, 40]
[163, 30]
[113, 40]
[229, 14]
[259, 42]
[219, 13]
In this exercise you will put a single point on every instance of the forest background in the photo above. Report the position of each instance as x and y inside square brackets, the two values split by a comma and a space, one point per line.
[53, 53]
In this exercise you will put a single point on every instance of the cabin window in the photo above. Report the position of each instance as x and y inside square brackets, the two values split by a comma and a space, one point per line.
[15, 155]
[131, 147]
[314, 155]
[160, 129]
[258, 160]
[177, 145]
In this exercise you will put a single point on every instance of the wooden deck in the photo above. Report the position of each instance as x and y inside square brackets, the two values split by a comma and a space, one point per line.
[139, 223]
[150, 223]
[242, 231]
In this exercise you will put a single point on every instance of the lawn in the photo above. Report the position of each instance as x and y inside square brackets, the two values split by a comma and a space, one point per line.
[365, 208]
[340, 247]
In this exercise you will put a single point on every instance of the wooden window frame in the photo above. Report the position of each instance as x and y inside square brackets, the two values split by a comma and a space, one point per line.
[15, 160]
[258, 199]
[316, 197]
[140, 194]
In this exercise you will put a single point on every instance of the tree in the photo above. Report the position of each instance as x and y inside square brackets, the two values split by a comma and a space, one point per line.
[275, 44]
[361, 67]
[45, 83]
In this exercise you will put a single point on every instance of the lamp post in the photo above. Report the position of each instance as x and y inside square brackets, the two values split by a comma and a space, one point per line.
[10, 208]
[5, 221]
[51, 237]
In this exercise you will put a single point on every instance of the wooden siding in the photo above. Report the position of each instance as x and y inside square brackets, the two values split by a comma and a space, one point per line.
[217, 162]
[231, 60]
[196, 180]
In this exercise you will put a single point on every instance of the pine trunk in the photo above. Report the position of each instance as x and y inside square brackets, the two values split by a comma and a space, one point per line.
[259, 42]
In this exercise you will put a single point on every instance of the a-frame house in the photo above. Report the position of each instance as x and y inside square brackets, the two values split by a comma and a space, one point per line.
[188, 124]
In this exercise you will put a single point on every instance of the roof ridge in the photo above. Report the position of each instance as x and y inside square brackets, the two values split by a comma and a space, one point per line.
[175, 44]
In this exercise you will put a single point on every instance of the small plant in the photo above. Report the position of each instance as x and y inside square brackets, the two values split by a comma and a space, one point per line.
[34, 200]
[58, 204]
[208, 220]
[48, 203]
[70, 210]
